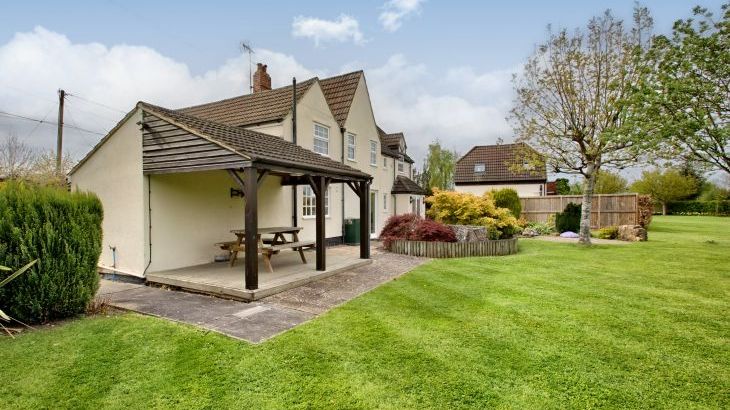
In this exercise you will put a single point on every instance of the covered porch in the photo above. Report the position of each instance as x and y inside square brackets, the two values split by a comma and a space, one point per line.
[219, 278]
[175, 143]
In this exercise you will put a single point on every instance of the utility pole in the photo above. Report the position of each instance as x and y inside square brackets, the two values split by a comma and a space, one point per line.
[59, 138]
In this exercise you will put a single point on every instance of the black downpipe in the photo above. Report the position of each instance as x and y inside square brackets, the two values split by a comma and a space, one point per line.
[149, 217]
[342, 185]
[294, 140]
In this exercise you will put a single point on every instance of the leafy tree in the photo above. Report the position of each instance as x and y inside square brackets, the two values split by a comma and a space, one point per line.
[43, 169]
[610, 183]
[572, 98]
[439, 166]
[683, 101]
[666, 186]
[562, 186]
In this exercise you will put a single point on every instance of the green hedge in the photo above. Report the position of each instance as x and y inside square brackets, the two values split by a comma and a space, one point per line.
[508, 198]
[63, 231]
[569, 219]
[718, 208]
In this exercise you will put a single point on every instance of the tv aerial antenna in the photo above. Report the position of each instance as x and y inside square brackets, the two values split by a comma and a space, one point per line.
[246, 48]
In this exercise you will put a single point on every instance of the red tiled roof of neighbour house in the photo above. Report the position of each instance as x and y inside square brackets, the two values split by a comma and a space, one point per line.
[250, 109]
[405, 185]
[339, 91]
[254, 145]
[499, 161]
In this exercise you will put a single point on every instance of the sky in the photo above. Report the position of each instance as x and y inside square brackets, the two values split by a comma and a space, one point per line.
[435, 69]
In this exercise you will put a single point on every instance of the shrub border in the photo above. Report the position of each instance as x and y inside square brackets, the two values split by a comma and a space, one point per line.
[426, 249]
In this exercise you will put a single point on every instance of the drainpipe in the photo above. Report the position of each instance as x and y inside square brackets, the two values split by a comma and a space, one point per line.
[294, 140]
[149, 221]
[342, 185]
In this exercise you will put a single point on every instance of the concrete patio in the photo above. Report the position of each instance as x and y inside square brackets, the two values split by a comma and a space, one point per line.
[260, 320]
[219, 279]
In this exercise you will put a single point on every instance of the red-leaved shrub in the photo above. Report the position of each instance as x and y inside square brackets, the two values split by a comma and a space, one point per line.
[398, 227]
[432, 231]
[414, 228]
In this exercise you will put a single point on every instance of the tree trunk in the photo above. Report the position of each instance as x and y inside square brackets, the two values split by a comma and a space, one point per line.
[664, 208]
[584, 236]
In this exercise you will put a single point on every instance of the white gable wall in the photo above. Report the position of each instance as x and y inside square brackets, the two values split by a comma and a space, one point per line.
[523, 190]
[114, 174]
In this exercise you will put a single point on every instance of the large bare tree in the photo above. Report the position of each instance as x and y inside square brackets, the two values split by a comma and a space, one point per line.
[16, 157]
[572, 97]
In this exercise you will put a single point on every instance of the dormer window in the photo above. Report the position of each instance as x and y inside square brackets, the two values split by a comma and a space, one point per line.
[479, 168]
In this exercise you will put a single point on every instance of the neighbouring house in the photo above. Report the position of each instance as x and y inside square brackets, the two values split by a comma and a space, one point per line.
[175, 181]
[490, 167]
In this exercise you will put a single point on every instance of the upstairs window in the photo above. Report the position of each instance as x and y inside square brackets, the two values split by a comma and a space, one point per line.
[309, 202]
[321, 139]
[373, 153]
[400, 166]
[385, 202]
[350, 146]
[478, 168]
[385, 162]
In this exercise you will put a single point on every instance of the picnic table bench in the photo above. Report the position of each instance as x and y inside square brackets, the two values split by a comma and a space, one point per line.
[267, 247]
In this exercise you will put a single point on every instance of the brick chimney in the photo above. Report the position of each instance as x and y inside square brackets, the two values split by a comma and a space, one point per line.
[261, 80]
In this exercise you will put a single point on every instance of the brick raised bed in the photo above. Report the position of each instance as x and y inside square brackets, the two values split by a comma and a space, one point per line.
[454, 249]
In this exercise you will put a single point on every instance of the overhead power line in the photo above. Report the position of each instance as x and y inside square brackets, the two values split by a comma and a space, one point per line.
[22, 117]
[95, 103]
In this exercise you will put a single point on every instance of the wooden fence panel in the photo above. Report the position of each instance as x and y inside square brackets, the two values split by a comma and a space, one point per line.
[608, 209]
[454, 249]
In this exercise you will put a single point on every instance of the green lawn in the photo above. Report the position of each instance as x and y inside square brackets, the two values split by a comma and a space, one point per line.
[643, 325]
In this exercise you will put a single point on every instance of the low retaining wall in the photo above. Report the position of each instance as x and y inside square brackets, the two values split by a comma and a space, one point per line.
[454, 249]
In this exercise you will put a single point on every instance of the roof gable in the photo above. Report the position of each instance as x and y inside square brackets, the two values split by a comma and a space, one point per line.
[498, 161]
[339, 91]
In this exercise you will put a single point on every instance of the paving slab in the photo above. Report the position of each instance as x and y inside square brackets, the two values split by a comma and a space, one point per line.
[263, 319]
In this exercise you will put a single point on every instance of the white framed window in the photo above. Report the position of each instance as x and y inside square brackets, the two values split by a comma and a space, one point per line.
[321, 139]
[400, 166]
[385, 202]
[309, 202]
[350, 146]
[373, 153]
[385, 162]
[480, 167]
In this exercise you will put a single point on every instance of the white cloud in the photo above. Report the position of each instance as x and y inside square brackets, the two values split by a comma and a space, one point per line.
[395, 11]
[33, 65]
[461, 107]
[404, 99]
[344, 29]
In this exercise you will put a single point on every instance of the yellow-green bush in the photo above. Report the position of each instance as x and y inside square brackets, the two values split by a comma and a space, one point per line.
[460, 208]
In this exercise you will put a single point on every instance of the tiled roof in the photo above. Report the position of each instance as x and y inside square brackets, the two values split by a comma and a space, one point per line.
[259, 107]
[253, 145]
[498, 161]
[339, 91]
[390, 143]
[404, 185]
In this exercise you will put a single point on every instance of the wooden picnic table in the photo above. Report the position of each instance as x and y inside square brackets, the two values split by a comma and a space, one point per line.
[278, 243]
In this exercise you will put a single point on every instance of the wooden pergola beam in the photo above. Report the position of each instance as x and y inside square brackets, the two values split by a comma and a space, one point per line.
[251, 251]
[362, 190]
[319, 185]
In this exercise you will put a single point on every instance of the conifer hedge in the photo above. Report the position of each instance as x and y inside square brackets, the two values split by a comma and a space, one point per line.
[63, 231]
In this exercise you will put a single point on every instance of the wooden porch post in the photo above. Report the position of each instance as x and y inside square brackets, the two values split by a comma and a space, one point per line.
[250, 179]
[319, 186]
[364, 188]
